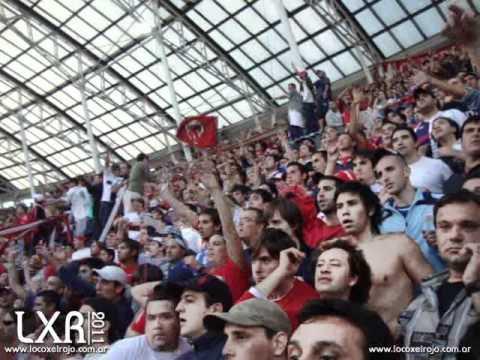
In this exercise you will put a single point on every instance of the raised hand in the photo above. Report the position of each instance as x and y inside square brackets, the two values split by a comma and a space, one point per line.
[462, 26]
[290, 261]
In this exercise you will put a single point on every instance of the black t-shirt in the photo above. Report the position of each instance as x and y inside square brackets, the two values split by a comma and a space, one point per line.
[446, 293]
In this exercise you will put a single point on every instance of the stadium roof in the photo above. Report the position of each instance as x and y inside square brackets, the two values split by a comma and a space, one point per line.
[229, 58]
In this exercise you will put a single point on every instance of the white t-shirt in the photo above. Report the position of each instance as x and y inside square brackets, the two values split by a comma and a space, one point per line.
[82, 254]
[135, 348]
[429, 174]
[109, 180]
[295, 118]
[80, 200]
[334, 119]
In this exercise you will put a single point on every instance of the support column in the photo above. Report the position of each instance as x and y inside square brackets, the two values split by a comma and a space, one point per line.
[158, 32]
[88, 125]
[287, 31]
[363, 63]
[26, 154]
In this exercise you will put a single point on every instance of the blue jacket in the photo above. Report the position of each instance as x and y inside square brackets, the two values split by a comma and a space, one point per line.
[412, 224]
[207, 347]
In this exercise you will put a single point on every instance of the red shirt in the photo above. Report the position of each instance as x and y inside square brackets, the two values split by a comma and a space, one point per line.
[238, 280]
[319, 232]
[130, 270]
[292, 303]
[139, 324]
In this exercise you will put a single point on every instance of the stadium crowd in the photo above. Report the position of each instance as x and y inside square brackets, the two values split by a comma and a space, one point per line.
[358, 228]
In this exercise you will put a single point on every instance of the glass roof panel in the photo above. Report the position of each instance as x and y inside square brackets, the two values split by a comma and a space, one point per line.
[248, 33]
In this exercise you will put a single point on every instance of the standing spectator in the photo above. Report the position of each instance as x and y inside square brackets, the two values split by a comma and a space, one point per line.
[450, 300]
[139, 176]
[323, 93]
[334, 118]
[296, 121]
[111, 182]
[80, 203]
[308, 103]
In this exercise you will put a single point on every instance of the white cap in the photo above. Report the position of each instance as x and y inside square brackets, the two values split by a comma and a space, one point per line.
[113, 273]
[453, 114]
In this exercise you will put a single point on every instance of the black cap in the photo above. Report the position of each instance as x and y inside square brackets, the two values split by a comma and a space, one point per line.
[216, 289]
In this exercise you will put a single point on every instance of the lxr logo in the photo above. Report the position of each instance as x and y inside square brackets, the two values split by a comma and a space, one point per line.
[73, 322]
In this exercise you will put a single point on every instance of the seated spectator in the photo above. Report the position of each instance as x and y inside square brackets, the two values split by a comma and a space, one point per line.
[275, 263]
[175, 269]
[339, 329]
[451, 299]
[425, 173]
[256, 329]
[341, 272]
[202, 296]
[162, 331]
[111, 285]
[407, 208]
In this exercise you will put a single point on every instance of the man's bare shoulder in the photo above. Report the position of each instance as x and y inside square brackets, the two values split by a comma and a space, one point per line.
[397, 240]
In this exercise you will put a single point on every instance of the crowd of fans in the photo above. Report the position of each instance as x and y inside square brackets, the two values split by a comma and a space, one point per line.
[360, 228]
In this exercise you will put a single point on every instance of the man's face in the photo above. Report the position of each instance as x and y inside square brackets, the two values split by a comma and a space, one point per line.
[457, 226]
[112, 240]
[471, 139]
[269, 163]
[472, 185]
[344, 142]
[403, 143]
[108, 289]
[294, 176]
[124, 170]
[6, 299]
[124, 252]
[239, 197]
[471, 81]
[278, 222]
[85, 272]
[155, 248]
[351, 213]
[363, 170]
[162, 326]
[326, 337]
[425, 103]
[216, 250]
[263, 265]
[174, 251]
[248, 229]
[41, 305]
[326, 195]
[332, 274]
[78, 243]
[386, 134]
[392, 174]
[191, 309]
[206, 228]
[441, 128]
[249, 342]
[137, 206]
[54, 283]
[331, 134]
[256, 201]
[318, 163]
[105, 257]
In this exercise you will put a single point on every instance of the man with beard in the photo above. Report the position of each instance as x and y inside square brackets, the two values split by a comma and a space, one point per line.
[450, 300]
[396, 261]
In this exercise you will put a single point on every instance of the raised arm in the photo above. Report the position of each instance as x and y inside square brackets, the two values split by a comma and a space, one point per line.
[234, 244]
[179, 207]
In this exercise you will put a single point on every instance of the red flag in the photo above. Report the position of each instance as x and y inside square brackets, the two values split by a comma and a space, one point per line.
[198, 131]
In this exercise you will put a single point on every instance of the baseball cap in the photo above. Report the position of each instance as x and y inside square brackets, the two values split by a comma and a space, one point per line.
[216, 289]
[174, 232]
[455, 115]
[112, 273]
[252, 312]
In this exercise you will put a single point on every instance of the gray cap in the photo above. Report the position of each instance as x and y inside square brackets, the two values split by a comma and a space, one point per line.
[252, 312]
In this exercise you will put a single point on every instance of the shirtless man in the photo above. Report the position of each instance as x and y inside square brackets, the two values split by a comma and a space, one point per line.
[396, 261]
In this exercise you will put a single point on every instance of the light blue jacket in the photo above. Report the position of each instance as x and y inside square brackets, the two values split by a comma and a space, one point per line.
[412, 224]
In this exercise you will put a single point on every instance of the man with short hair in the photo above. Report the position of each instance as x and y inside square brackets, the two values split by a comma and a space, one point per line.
[162, 339]
[259, 199]
[256, 329]
[325, 225]
[450, 300]
[341, 272]
[407, 209]
[138, 177]
[111, 285]
[208, 224]
[394, 272]
[128, 253]
[202, 296]
[386, 131]
[175, 269]
[275, 264]
[470, 135]
[296, 174]
[426, 173]
[319, 162]
[338, 329]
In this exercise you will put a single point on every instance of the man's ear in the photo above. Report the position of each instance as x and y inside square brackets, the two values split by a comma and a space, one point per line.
[215, 308]
[353, 281]
[279, 344]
